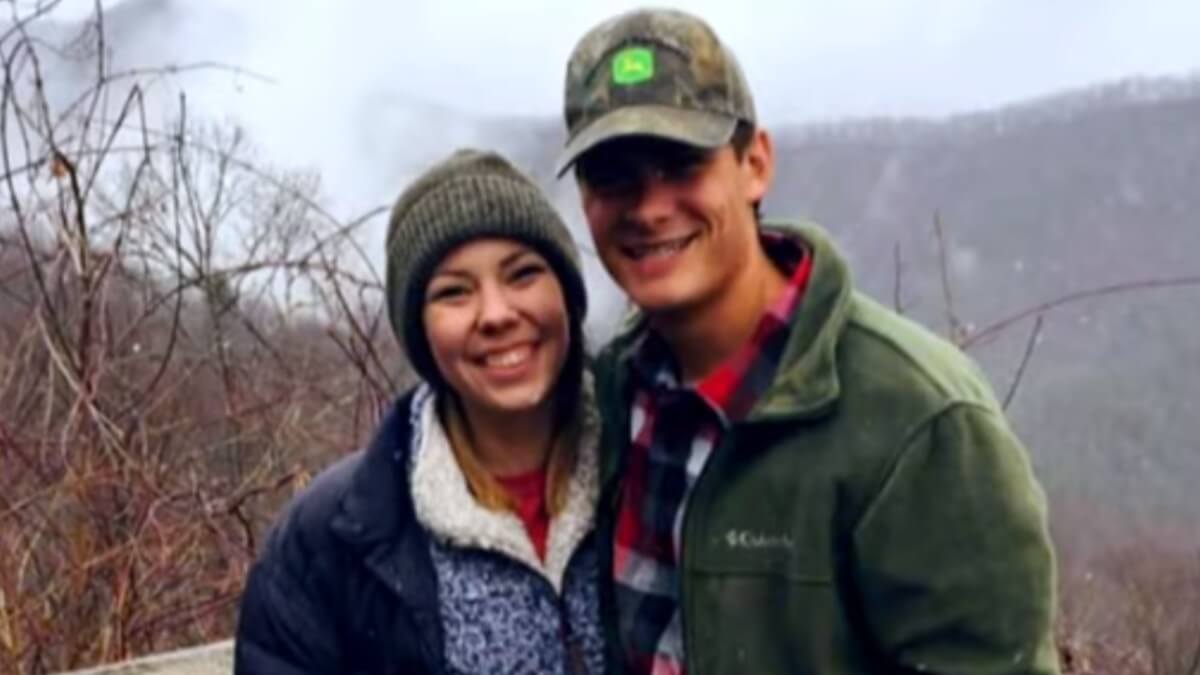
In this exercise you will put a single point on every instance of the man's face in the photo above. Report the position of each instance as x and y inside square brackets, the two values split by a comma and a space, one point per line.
[673, 224]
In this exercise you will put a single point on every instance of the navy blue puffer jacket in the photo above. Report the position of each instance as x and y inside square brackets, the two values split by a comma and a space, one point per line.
[347, 581]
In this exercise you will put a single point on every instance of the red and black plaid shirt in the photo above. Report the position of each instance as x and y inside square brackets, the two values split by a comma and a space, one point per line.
[674, 428]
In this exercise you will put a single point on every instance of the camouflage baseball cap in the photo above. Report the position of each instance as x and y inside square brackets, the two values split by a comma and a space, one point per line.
[652, 72]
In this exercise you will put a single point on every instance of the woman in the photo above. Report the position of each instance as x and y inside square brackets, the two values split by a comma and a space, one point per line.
[459, 540]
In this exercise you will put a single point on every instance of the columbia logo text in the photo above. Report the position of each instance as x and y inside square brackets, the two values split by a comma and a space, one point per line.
[749, 539]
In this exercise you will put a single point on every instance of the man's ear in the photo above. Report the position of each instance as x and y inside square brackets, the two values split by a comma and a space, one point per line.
[758, 166]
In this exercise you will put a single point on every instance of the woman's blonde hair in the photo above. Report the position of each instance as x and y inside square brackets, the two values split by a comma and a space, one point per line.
[560, 460]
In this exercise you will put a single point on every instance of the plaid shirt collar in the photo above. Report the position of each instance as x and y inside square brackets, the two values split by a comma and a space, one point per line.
[735, 385]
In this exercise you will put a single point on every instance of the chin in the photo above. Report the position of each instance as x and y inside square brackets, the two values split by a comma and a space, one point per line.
[515, 400]
[662, 300]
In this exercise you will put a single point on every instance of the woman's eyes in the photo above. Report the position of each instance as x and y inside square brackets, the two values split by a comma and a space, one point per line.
[448, 293]
[520, 275]
[527, 272]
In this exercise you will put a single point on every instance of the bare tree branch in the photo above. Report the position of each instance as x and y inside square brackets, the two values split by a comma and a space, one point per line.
[1030, 345]
[992, 329]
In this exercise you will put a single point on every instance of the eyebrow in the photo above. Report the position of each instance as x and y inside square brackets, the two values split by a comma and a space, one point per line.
[515, 256]
[450, 273]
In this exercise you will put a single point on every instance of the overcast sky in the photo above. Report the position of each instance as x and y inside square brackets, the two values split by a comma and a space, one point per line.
[344, 70]
[806, 59]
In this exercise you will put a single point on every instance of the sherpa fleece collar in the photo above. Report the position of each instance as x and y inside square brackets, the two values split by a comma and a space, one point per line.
[445, 507]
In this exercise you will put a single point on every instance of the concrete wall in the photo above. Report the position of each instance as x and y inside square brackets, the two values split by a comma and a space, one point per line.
[212, 659]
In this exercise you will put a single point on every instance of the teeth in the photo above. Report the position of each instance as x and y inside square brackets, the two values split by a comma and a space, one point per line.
[512, 357]
[660, 249]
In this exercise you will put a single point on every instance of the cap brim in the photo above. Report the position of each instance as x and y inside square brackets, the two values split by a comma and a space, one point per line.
[692, 127]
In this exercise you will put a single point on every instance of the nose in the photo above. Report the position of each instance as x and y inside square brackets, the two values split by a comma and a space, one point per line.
[654, 200]
[496, 311]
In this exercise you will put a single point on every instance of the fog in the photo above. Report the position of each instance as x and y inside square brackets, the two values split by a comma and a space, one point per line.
[332, 67]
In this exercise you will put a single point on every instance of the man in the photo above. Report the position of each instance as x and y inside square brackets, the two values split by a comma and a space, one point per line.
[797, 479]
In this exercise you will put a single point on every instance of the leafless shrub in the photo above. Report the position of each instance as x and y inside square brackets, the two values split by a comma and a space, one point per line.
[184, 337]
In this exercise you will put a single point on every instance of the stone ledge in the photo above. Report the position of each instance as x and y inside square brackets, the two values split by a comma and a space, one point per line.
[210, 659]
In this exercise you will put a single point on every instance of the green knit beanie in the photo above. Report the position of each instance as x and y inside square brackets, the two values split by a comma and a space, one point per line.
[470, 194]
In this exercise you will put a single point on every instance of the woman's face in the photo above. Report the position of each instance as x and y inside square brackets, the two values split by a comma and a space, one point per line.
[496, 320]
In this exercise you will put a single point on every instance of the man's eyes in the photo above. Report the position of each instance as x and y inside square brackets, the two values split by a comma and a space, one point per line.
[680, 168]
[606, 177]
[613, 182]
[627, 177]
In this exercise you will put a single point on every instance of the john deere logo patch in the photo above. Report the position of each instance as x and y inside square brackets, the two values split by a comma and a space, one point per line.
[632, 65]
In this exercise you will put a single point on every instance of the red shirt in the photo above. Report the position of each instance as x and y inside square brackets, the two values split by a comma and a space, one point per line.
[529, 492]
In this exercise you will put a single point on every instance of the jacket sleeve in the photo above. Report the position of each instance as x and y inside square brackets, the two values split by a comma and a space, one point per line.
[282, 627]
[953, 556]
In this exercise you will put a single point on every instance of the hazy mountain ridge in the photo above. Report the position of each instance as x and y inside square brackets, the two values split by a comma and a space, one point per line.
[1058, 106]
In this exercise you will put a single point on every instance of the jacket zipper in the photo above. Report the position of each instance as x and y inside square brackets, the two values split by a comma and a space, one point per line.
[572, 649]
[570, 642]
[686, 530]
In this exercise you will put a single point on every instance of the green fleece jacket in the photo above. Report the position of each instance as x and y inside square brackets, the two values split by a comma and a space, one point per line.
[874, 513]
